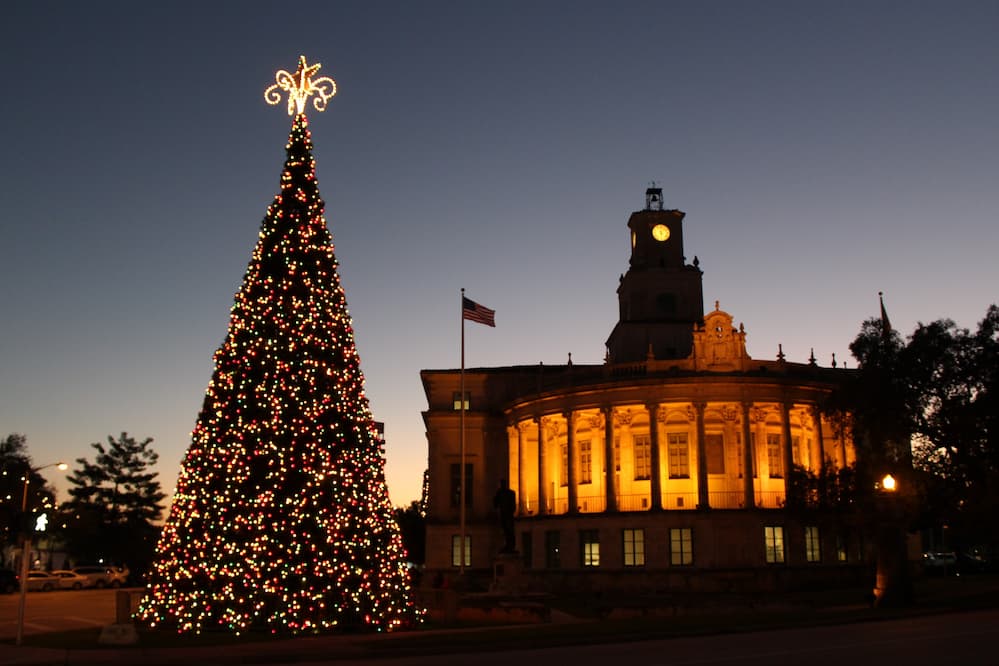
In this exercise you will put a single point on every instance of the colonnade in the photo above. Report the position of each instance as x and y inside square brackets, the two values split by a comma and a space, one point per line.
[666, 455]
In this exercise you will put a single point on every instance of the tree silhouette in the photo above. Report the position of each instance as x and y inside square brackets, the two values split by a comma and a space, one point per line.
[115, 502]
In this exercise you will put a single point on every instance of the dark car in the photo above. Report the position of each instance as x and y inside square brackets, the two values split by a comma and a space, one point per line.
[972, 563]
[8, 581]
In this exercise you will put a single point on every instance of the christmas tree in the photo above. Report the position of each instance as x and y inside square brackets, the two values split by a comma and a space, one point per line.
[281, 518]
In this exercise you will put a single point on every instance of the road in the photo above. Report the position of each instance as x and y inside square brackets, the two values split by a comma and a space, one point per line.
[61, 610]
[950, 638]
[946, 638]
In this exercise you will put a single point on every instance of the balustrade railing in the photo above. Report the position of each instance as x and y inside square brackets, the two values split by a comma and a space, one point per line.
[770, 499]
[633, 503]
[727, 499]
[679, 501]
[591, 503]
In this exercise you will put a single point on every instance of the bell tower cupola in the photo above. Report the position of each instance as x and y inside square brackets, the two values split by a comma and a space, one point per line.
[660, 297]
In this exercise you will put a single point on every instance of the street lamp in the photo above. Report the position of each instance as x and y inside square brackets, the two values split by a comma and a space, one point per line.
[892, 578]
[26, 547]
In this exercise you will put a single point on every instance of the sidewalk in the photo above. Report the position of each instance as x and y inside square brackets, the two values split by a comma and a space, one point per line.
[933, 596]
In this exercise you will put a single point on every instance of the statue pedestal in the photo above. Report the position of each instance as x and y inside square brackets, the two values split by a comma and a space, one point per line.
[508, 574]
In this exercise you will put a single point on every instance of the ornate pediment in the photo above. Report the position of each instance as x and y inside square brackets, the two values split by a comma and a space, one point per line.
[719, 346]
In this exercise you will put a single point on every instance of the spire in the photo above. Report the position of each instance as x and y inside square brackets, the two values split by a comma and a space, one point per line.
[885, 324]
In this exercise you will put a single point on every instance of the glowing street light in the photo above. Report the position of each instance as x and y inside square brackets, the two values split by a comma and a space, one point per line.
[892, 579]
[26, 548]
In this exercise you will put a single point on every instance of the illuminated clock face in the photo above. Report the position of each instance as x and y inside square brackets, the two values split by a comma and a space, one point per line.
[660, 232]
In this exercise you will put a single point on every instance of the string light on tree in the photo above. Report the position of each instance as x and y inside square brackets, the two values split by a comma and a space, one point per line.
[281, 520]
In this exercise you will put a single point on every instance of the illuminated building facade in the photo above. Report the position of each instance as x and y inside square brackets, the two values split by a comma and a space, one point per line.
[669, 464]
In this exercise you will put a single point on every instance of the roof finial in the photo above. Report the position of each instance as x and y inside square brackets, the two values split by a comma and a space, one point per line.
[780, 352]
[834, 360]
[300, 86]
[811, 357]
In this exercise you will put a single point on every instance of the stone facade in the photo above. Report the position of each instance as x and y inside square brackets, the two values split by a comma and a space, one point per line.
[652, 468]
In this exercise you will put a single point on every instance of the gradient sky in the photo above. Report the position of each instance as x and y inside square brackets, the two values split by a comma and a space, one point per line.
[823, 151]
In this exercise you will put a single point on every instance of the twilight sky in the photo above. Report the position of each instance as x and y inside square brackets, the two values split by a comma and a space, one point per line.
[823, 151]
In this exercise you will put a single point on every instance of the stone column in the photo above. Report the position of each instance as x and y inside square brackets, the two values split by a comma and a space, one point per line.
[542, 471]
[820, 440]
[610, 474]
[570, 434]
[522, 499]
[702, 462]
[821, 446]
[841, 446]
[785, 416]
[656, 485]
[748, 463]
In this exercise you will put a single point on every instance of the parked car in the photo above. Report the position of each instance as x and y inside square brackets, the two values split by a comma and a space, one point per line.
[119, 576]
[972, 563]
[940, 563]
[100, 575]
[42, 581]
[8, 581]
[70, 580]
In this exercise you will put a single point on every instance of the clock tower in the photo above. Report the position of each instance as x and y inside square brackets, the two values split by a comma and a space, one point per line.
[660, 297]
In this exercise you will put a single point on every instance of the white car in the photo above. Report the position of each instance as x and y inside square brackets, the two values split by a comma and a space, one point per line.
[42, 581]
[70, 580]
[102, 575]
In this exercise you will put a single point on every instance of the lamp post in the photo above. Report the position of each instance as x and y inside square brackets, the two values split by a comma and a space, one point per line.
[26, 547]
[892, 579]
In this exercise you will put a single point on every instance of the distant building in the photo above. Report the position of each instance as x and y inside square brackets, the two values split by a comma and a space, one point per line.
[667, 465]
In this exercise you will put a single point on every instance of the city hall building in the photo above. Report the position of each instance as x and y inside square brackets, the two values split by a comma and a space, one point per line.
[668, 465]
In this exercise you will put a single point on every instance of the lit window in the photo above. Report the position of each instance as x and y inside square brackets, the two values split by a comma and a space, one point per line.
[813, 549]
[643, 457]
[456, 551]
[679, 455]
[714, 448]
[456, 400]
[681, 542]
[775, 457]
[617, 454]
[585, 462]
[589, 544]
[796, 449]
[841, 551]
[553, 549]
[634, 547]
[773, 538]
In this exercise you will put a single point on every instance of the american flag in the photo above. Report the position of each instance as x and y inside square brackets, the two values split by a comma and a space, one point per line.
[472, 311]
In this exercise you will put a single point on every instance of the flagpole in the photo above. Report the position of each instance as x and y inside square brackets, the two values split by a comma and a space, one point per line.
[461, 495]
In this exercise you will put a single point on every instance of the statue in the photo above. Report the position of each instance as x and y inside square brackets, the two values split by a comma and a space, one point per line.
[505, 502]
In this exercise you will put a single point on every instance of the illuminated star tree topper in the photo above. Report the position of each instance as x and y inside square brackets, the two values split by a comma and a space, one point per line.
[300, 86]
